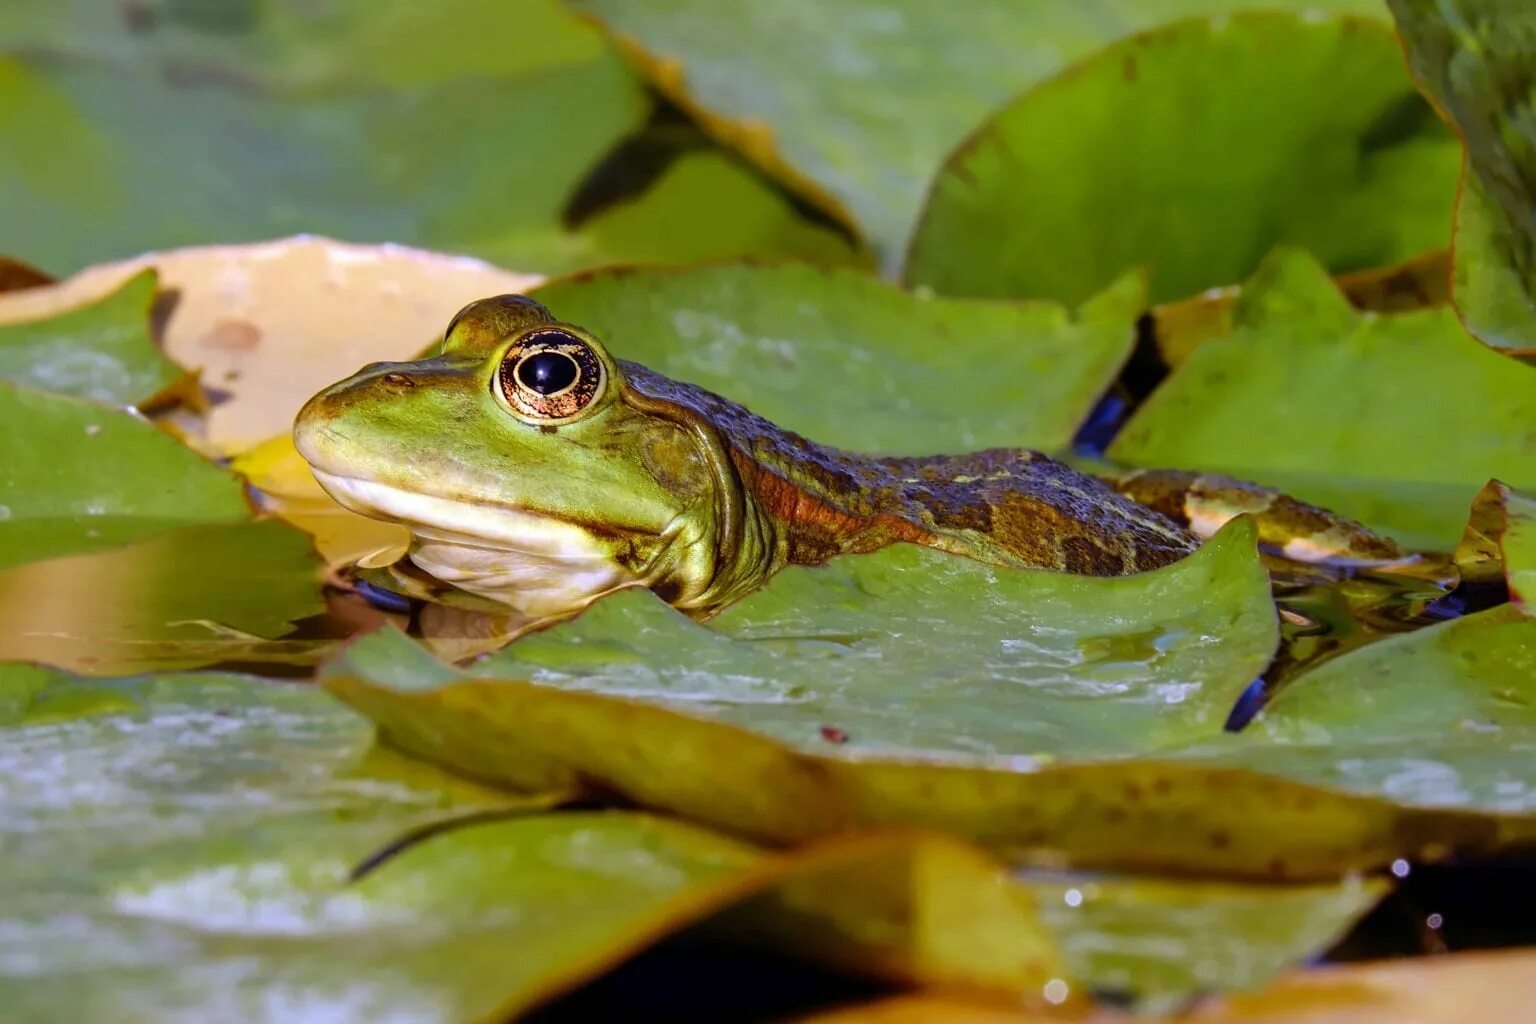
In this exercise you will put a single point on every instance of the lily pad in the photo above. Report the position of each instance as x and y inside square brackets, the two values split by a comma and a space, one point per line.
[856, 104]
[1396, 420]
[1161, 941]
[92, 477]
[1418, 990]
[787, 341]
[1102, 168]
[103, 350]
[198, 595]
[1500, 542]
[441, 153]
[269, 324]
[1181, 326]
[853, 655]
[1473, 60]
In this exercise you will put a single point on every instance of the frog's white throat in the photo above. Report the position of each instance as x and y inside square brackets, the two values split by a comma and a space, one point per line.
[538, 565]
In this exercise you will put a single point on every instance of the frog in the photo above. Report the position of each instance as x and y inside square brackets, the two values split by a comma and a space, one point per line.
[535, 469]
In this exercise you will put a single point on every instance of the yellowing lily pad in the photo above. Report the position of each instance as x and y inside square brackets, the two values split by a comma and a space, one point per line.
[199, 595]
[271, 323]
[91, 477]
[856, 104]
[1308, 132]
[1396, 420]
[1472, 59]
[102, 350]
[1501, 542]
[850, 361]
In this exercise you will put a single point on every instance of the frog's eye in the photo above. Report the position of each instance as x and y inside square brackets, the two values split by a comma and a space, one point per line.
[550, 376]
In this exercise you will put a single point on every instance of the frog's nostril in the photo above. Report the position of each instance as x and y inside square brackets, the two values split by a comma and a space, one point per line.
[399, 380]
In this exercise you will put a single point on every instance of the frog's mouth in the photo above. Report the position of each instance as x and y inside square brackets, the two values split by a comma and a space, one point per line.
[539, 565]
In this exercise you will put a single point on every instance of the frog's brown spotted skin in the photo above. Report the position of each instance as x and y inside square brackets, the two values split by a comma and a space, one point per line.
[534, 468]
[1007, 506]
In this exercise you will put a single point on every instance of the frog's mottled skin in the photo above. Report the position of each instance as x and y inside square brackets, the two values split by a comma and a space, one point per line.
[662, 484]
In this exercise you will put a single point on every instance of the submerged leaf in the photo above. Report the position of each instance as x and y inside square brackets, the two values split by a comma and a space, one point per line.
[1103, 168]
[853, 362]
[1473, 59]
[92, 477]
[1395, 420]
[855, 104]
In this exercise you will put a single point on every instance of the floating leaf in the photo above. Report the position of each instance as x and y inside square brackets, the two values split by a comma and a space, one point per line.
[437, 147]
[1181, 326]
[270, 324]
[102, 350]
[910, 651]
[856, 104]
[91, 477]
[1500, 542]
[1161, 941]
[198, 595]
[1102, 168]
[791, 341]
[1461, 989]
[705, 207]
[1395, 420]
[1473, 60]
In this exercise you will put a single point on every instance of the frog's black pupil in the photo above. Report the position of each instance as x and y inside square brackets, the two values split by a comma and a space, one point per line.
[547, 372]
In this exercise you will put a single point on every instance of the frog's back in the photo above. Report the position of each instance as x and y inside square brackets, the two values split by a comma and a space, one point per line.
[1008, 506]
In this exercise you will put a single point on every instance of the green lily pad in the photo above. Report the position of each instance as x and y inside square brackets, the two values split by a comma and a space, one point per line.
[1500, 542]
[1017, 663]
[1396, 420]
[1473, 60]
[787, 340]
[1161, 941]
[1103, 168]
[707, 206]
[223, 593]
[90, 477]
[448, 158]
[856, 104]
[103, 350]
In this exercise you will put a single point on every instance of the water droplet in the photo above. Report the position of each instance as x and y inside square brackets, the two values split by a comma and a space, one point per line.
[1073, 897]
[1400, 868]
[1434, 922]
[1056, 991]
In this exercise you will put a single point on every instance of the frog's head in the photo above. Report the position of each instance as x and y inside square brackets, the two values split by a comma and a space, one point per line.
[525, 466]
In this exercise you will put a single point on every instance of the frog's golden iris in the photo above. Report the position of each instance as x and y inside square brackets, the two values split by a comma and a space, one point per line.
[534, 468]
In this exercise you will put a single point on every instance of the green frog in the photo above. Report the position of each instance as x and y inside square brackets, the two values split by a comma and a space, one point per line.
[533, 468]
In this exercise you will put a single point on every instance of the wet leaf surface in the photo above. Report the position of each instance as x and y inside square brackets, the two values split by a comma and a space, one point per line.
[712, 735]
[1473, 60]
[1089, 173]
[836, 100]
[92, 477]
[788, 340]
[1463, 989]
[1396, 420]
[102, 351]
